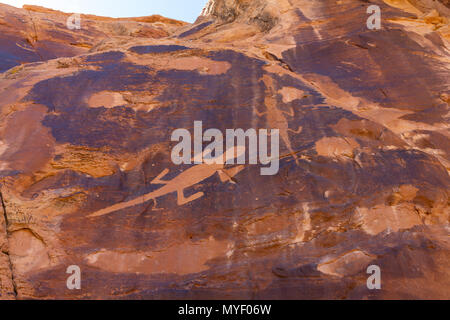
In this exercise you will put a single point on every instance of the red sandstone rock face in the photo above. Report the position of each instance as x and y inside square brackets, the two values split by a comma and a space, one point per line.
[37, 34]
[365, 153]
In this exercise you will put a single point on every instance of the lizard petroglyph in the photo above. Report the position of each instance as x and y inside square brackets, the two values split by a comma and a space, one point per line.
[276, 117]
[186, 179]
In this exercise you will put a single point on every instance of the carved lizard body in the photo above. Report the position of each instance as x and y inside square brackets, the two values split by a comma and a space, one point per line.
[186, 179]
[276, 117]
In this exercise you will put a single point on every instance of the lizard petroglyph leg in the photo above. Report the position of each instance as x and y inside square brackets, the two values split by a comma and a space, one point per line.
[225, 177]
[290, 113]
[182, 200]
[155, 206]
[260, 113]
[158, 180]
[298, 131]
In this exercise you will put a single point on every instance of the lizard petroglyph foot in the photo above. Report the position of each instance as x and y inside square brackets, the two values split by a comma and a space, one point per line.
[182, 200]
[158, 180]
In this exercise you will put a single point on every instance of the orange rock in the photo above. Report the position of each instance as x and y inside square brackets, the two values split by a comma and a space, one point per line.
[86, 118]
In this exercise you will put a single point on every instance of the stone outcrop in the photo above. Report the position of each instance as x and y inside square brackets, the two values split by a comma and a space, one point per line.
[86, 118]
[34, 34]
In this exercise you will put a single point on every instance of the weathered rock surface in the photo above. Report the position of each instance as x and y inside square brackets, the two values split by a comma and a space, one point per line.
[85, 124]
[37, 34]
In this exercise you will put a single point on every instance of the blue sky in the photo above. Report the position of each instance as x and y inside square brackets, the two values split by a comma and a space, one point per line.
[186, 10]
